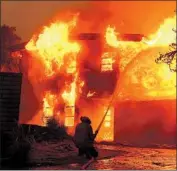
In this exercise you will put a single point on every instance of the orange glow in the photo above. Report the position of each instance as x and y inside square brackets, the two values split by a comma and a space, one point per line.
[111, 37]
[164, 35]
[107, 130]
[53, 54]
[90, 94]
[53, 45]
[16, 54]
[70, 96]
[81, 85]
[143, 76]
[108, 117]
[49, 102]
[69, 121]
[108, 58]
[107, 62]
[107, 124]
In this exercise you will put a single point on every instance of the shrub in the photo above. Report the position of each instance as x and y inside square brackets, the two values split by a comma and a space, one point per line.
[15, 146]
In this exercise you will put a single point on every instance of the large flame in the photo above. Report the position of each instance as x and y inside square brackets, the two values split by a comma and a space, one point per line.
[70, 96]
[53, 45]
[111, 37]
[58, 55]
[140, 75]
[164, 35]
[108, 58]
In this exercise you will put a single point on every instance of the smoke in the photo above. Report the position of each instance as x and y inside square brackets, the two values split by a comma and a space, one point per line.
[143, 17]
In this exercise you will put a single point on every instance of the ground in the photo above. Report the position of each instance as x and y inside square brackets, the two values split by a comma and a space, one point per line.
[63, 156]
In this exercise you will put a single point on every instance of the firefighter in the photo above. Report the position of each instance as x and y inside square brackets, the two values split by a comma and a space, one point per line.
[84, 138]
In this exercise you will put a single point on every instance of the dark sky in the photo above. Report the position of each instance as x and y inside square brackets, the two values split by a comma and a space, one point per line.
[133, 17]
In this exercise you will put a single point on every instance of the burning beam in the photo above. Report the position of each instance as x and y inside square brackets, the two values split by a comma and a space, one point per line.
[85, 36]
[131, 37]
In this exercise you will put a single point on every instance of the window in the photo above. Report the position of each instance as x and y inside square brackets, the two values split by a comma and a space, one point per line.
[107, 121]
[69, 116]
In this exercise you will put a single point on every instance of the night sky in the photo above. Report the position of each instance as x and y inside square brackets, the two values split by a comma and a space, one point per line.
[128, 17]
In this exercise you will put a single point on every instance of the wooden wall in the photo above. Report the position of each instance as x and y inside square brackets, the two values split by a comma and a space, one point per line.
[10, 92]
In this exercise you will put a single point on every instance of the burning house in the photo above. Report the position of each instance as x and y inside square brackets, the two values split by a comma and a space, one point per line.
[71, 76]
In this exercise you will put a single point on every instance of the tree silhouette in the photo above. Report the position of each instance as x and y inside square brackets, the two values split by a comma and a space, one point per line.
[8, 38]
[170, 57]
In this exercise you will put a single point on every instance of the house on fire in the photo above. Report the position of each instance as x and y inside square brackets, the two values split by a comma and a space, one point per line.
[100, 80]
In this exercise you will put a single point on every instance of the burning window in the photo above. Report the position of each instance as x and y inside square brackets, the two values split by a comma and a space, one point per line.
[107, 130]
[107, 124]
[69, 116]
[49, 101]
[107, 121]
[108, 59]
[69, 121]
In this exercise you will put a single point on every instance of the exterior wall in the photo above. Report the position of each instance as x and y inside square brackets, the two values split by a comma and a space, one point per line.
[10, 92]
[145, 122]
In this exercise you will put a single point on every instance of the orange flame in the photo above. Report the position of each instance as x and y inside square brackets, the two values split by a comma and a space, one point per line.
[70, 96]
[90, 94]
[107, 62]
[53, 45]
[107, 130]
[49, 102]
[58, 53]
[111, 37]
[164, 35]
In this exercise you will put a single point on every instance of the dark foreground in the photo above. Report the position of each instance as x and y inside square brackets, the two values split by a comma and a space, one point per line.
[53, 156]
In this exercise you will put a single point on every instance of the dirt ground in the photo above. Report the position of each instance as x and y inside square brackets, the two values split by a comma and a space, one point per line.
[63, 156]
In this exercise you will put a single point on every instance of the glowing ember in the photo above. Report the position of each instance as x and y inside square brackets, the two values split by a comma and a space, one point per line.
[16, 54]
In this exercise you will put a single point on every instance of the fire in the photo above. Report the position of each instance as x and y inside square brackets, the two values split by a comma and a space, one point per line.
[143, 76]
[107, 129]
[164, 35]
[59, 56]
[153, 41]
[111, 37]
[108, 58]
[81, 85]
[107, 62]
[90, 94]
[49, 102]
[70, 96]
[53, 46]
